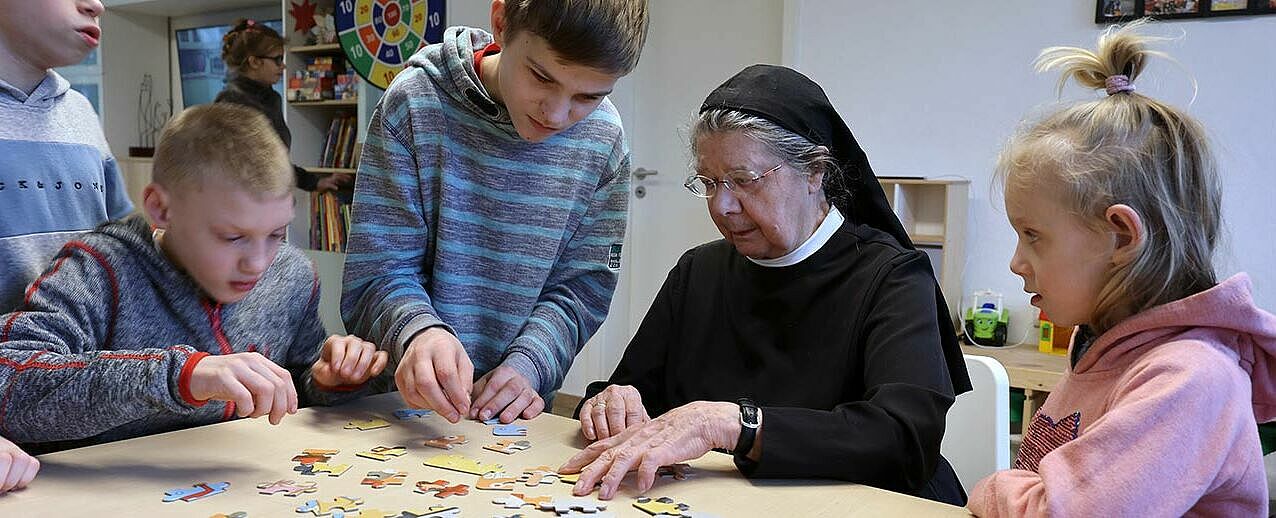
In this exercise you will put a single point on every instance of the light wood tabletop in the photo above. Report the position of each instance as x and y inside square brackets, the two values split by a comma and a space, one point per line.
[130, 478]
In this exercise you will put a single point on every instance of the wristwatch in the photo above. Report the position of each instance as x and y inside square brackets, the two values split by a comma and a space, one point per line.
[748, 427]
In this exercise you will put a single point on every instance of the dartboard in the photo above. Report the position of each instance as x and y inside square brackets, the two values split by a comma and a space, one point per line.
[378, 36]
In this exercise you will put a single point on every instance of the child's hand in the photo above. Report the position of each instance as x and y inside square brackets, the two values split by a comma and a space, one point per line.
[255, 384]
[436, 373]
[348, 360]
[16, 467]
[505, 393]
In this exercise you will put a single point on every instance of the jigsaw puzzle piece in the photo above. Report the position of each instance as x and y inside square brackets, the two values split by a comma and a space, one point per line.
[333, 470]
[380, 479]
[377, 513]
[538, 475]
[435, 511]
[562, 505]
[336, 508]
[383, 453]
[495, 481]
[412, 413]
[313, 455]
[517, 500]
[236, 514]
[442, 489]
[287, 487]
[446, 442]
[461, 463]
[676, 471]
[508, 446]
[367, 424]
[492, 421]
[509, 430]
[196, 492]
[663, 506]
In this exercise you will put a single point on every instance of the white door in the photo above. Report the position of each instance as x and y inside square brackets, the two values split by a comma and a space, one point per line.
[692, 47]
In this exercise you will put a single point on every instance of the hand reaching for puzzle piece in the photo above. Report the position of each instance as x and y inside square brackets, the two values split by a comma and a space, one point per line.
[256, 385]
[347, 360]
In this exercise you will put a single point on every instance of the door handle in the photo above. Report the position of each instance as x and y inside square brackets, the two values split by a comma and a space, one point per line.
[642, 173]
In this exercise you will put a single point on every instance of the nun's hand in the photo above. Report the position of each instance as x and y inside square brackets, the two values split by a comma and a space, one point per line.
[611, 411]
[684, 433]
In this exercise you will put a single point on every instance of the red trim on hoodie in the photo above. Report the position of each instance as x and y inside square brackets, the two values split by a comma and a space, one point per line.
[491, 48]
[63, 255]
[184, 380]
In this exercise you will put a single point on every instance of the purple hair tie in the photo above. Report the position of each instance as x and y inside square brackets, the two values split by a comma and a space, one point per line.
[1118, 83]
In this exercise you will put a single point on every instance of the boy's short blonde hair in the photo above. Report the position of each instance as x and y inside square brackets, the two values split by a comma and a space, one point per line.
[227, 141]
[606, 35]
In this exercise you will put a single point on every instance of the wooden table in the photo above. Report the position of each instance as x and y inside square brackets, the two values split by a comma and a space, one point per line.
[129, 478]
[1035, 372]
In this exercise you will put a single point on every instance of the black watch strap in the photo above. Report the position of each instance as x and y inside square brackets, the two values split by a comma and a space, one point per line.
[748, 427]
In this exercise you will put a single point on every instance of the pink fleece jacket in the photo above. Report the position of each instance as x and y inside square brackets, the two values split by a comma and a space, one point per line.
[1158, 418]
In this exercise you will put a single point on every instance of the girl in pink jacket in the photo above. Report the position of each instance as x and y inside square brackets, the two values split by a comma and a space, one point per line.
[1116, 206]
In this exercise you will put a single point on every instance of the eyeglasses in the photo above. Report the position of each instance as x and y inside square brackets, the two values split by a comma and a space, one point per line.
[739, 182]
[279, 60]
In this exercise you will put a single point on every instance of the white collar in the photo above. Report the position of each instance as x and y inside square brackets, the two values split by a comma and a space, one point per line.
[832, 221]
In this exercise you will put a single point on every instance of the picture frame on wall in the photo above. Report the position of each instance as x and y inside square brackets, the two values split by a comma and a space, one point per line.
[1118, 11]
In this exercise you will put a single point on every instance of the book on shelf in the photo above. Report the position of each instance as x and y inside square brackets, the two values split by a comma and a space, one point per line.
[329, 221]
[339, 143]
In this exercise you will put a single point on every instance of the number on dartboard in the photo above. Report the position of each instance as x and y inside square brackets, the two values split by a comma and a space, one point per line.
[355, 51]
[435, 19]
[348, 5]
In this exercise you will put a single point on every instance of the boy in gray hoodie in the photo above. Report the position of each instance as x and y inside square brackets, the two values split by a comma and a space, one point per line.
[137, 326]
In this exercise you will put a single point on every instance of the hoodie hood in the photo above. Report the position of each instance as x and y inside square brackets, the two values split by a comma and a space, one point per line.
[50, 89]
[1224, 316]
[450, 66]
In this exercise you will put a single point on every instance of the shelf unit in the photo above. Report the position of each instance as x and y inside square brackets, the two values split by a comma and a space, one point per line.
[934, 213]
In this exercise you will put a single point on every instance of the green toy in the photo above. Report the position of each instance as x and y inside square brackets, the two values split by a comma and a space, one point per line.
[987, 320]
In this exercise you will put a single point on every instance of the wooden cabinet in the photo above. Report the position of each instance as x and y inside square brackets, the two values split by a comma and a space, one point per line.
[934, 213]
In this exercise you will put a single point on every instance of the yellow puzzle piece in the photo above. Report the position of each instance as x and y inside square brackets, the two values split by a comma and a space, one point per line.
[383, 453]
[461, 463]
[367, 424]
[661, 506]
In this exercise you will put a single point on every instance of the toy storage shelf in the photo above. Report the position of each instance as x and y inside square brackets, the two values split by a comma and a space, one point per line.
[934, 212]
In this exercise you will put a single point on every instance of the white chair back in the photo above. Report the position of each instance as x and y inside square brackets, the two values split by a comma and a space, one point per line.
[977, 433]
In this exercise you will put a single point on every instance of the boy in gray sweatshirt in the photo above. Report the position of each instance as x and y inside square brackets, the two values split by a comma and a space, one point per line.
[195, 316]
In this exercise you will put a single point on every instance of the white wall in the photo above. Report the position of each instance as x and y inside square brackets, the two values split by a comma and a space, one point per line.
[133, 45]
[935, 88]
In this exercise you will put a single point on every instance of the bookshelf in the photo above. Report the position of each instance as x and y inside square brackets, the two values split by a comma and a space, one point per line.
[934, 213]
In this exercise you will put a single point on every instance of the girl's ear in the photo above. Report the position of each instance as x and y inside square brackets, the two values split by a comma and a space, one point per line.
[1128, 233]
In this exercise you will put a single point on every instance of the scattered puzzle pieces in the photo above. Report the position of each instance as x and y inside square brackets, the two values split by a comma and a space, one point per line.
[508, 446]
[563, 505]
[495, 481]
[538, 475]
[676, 471]
[196, 492]
[337, 507]
[380, 479]
[441, 489]
[333, 470]
[663, 506]
[412, 413]
[367, 424]
[446, 442]
[461, 463]
[287, 487]
[517, 500]
[509, 430]
[383, 453]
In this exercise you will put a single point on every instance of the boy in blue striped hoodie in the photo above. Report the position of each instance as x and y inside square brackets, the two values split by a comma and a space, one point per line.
[191, 317]
[490, 205]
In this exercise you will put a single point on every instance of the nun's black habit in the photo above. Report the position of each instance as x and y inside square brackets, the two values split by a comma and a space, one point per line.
[850, 353]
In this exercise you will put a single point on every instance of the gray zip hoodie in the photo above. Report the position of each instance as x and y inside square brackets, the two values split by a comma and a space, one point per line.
[104, 346]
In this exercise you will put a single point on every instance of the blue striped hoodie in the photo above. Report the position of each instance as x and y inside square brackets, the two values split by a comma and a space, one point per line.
[512, 246]
[57, 179]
